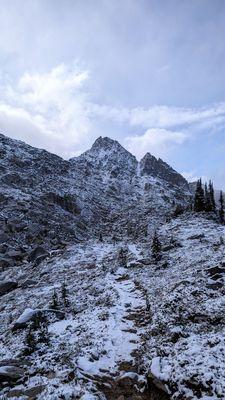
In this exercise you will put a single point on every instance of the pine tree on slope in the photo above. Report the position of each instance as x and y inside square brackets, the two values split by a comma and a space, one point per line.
[221, 209]
[156, 247]
[64, 294]
[54, 301]
[208, 204]
[211, 194]
[199, 200]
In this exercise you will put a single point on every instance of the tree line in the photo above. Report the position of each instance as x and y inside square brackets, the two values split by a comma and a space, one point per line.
[204, 199]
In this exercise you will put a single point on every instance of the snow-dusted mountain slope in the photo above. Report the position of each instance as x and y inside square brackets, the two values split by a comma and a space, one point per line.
[87, 312]
[49, 201]
[135, 329]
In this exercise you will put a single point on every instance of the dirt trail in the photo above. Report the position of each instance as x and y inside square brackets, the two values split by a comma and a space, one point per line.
[120, 373]
[131, 318]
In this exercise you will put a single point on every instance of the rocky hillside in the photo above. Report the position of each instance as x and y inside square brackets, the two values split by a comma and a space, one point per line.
[87, 311]
[47, 201]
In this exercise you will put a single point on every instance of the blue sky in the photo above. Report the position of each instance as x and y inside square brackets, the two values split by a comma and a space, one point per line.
[149, 73]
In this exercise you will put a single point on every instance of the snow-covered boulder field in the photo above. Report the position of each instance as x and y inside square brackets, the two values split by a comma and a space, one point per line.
[138, 328]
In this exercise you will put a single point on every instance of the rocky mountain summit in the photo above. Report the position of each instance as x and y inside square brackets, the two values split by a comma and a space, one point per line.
[47, 200]
[89, 310]
[149, 165]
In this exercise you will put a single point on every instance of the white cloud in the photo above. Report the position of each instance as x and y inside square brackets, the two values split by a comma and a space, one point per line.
[156, 141]
[48, 110]
[55, 110]
[163, 116]
[168, 117]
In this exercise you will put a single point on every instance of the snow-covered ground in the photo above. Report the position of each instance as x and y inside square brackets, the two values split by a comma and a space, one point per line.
[125, 315]
[98, 333]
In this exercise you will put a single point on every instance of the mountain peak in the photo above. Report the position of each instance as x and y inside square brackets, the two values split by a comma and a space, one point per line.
[150, 165]
[104, 142]
[108, 155]
[108, 149]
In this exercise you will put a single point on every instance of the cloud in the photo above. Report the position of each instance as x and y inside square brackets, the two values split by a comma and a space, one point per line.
[48, 110]
[163, 116]
[168, 117]
[157, 141]
[59, 110]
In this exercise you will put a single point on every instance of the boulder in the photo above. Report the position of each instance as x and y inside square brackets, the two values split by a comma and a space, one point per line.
[36, 253]
[28, 283]
[39, 259]
[26, 317]
[159, 376]
[15, 255]
[3, 247]
[30, 393]
[4, 237]
[197, 236]
[10, 373]
[7, 286]
[5, 263]
[29, 315]
[216, 270]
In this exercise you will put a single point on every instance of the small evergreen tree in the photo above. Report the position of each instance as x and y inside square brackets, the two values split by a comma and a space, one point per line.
[123, 257]
[199, 200]
[156, 247]
[212, 197]
[146, 231]
[64, 294]
[30, 341]
[55, 301]
[43, 336]
[179, 210]
[208, 204]
[37, 319]
[100, 237]
[221, 208]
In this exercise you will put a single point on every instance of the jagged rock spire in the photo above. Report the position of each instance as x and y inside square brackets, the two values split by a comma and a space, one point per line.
[150, 165]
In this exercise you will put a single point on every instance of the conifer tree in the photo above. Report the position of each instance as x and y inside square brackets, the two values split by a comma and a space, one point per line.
[208, 204]
[43, 335]
[212, 198]
[156, 247]
[55, 301]
[64, 293]
[30, 341]
[221, 208]
[199, 200]
[123, 257]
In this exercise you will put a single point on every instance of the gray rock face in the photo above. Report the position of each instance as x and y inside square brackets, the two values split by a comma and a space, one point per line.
[7, 286]
[46, 201]
[108, 156]
[149, 165]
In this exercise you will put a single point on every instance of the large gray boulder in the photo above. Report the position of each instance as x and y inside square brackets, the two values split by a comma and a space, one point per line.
[29, 315]
[37, 253]
[16, 255]
[26, 317]
[10, 373]
[6, 262]
[7, 286]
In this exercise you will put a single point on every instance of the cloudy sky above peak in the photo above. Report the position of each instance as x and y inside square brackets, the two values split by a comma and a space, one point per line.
[149, 73]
